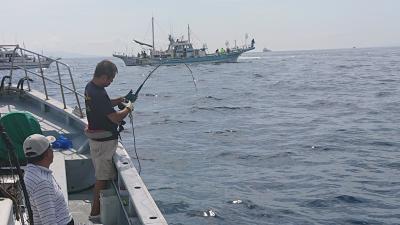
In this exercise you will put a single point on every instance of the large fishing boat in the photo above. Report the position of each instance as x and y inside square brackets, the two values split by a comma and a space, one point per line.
[20, 59]
[182, 52]
[28, 109]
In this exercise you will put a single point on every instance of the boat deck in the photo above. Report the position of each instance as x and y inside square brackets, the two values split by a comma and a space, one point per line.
[80, 200]
[80, 204]
[130, 203]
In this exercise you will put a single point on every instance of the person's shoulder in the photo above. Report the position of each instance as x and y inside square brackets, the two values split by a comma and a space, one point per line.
[89, 84]
[33, 175]
[92, 88]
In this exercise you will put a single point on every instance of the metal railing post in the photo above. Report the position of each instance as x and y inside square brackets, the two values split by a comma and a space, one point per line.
[12, 65]
[43, 80]
[76, 95]
[61, 86]
[26, 73]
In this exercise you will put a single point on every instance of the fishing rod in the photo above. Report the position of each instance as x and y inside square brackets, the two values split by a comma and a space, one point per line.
[135, 96]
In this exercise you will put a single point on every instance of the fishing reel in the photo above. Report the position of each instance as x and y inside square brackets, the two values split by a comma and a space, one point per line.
[121, 126]
[129, 97]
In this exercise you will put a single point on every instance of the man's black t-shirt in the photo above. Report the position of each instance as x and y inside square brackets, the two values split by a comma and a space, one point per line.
[98, 106]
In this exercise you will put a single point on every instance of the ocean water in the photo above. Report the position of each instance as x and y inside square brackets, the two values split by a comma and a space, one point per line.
[302, 137]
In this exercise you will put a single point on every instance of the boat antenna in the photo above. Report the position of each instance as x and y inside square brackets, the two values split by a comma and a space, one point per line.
[152, 31]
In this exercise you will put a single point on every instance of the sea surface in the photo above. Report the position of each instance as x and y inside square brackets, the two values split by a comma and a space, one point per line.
[300, 137]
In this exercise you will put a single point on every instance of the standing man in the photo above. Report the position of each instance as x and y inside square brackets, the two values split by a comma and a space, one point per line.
[47, 200]
[102, 129]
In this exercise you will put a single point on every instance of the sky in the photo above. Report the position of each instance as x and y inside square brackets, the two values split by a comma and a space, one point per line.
[100, 27]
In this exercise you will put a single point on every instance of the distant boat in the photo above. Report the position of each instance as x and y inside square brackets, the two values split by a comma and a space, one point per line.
[181, 52]
[266, 50]
[11, 58]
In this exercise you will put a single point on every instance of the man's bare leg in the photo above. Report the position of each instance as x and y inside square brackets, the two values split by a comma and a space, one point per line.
[98, 186]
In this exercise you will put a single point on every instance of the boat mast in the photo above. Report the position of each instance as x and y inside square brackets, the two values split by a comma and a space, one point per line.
[188, 33]
[152, 31]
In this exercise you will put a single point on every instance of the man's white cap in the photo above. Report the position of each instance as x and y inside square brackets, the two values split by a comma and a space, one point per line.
[36, 144]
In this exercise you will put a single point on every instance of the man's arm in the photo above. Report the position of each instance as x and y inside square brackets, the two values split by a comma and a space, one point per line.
[116, 101]
[117, 117]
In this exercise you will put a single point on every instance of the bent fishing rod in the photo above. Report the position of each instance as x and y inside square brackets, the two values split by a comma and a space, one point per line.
[135, 96]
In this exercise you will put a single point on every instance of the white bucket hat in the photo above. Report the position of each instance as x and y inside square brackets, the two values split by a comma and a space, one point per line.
[36, 144]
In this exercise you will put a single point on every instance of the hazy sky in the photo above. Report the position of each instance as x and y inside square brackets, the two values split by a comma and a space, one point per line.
[99, 27]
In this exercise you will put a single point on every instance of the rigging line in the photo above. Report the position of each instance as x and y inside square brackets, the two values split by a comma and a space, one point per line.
[162, 30]
[145, 34]
[195, 36]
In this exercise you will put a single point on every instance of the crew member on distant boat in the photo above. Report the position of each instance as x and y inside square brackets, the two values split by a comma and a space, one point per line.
[45, 195]
[252, 42]
[222, 51]
[103, 123]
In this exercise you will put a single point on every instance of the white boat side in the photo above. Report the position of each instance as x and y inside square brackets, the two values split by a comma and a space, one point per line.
[11, 58]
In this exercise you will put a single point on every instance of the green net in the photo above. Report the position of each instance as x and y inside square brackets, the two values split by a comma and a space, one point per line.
[18, 126]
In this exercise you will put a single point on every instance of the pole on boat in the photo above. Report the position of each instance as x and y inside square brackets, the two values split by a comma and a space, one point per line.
[152, 31]
[188, 33]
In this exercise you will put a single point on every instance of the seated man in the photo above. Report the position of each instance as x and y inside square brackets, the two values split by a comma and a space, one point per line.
[47, 200]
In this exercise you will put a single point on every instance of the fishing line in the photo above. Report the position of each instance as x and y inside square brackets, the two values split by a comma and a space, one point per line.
[134, 142]
[191, 73]
[135, 96]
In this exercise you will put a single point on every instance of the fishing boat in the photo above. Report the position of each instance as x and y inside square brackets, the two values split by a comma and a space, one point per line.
[266, 50]
[182, 52]
[26, 107]
[17, 59]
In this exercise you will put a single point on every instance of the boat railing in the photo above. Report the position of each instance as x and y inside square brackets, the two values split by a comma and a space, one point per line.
[45, 80]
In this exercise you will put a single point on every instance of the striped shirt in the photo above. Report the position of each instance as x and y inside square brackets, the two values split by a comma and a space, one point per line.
[46, 198]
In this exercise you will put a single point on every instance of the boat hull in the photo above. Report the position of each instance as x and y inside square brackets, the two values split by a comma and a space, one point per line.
[231, 57]
[132, 60]
[26, 65]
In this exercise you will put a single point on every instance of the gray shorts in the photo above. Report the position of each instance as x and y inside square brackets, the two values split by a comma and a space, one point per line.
[102, 157]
